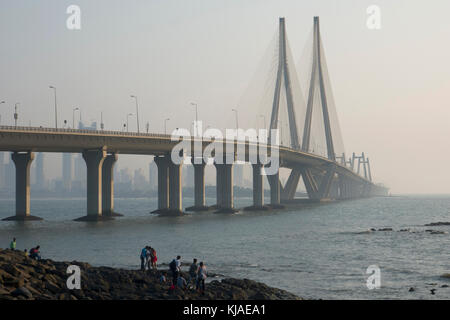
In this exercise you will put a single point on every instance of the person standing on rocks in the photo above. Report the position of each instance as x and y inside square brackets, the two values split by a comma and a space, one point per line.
[153, 258]
[12, 245]
[143, 258]
[201, 277]
[193, 273]
[175, 267]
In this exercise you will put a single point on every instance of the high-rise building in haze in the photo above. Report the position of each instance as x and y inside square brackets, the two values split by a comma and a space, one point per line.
[153, 175]
[39, 171]
[139, 181]
[2, 169]
[238, 174]
[67, 171]
[10, 175]
[188, 175]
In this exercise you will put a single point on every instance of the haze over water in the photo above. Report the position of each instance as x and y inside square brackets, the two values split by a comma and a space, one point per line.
[319, 251]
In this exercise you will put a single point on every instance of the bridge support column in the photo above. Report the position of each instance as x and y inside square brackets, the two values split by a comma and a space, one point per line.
[108, 186]
[22, 161]
[275, 190]
[199, 188]
[94, 162]
[291, 185]
[175, 189]
[225, 198]
[162, 163]
[258, 188]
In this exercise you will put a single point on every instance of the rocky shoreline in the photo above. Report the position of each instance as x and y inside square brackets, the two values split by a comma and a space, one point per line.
[22, 278]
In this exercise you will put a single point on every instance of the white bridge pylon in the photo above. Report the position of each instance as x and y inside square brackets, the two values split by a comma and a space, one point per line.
[320, 126]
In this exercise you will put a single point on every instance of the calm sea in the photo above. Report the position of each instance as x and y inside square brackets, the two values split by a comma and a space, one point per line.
[318, 251]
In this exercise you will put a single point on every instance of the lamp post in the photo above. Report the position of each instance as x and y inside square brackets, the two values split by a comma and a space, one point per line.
[147, 126]
[165, 125]
[129, 114]
[56, 107]
[16, 114]
[0, 115]
[73, 116]
[237, 123]
[137, 111]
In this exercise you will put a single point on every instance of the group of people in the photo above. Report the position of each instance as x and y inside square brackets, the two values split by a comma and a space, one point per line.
[148, 258]
[197, 275]
[33, 254]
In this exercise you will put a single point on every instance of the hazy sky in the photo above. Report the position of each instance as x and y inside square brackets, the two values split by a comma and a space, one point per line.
[391, 86]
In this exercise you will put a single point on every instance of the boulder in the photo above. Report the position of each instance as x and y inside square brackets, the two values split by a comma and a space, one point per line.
[22, 291]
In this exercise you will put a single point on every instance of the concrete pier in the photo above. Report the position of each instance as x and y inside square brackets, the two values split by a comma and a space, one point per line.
[162, 164]
[175, 189]
[258, 188]
[108, 186]
[199, 188]
[22, 161]
[225, 195]
[94, 162]
[275, 190]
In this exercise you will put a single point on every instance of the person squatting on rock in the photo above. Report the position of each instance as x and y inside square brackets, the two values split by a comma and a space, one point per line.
[35, 253]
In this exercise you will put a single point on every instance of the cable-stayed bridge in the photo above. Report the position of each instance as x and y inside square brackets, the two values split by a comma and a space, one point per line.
[311, 148]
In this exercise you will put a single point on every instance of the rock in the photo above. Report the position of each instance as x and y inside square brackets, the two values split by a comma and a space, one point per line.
[22, 291]
[385, 229]
[46, 280]
[411, 289]
[444, 286]
[433, 224]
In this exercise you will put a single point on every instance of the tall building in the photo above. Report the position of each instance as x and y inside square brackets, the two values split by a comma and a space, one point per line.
[80, 173]
[153, 175]
[238, 174]
[2, 169]
[10, 175]
[188, 175]
[67, 171]
[39, 171]
[139, 181]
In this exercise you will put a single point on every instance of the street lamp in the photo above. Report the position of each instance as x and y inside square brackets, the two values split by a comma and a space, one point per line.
[16, 115]
[0, 115]
[237, 124]
[165, 125]
[147, 126]
[129, 114]
[56, 108]
[73, 116]
[137, 111]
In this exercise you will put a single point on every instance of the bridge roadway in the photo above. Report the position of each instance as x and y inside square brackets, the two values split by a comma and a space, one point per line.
[100, 149]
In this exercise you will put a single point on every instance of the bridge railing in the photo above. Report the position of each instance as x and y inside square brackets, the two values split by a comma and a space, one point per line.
[135, 134]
